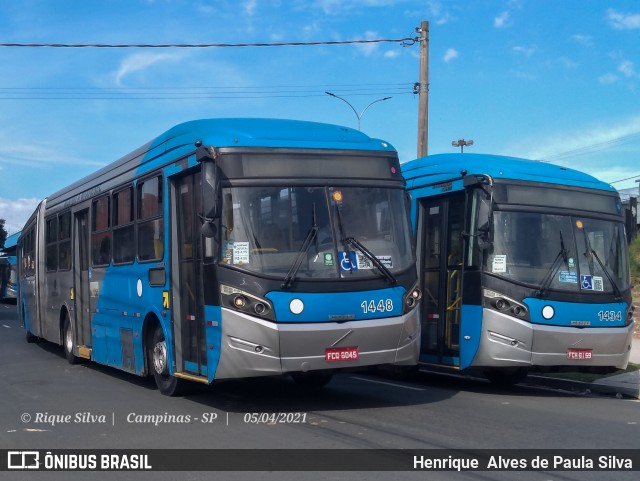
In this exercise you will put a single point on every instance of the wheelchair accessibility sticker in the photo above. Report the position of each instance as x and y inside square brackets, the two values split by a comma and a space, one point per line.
[354, 261]
[591, 283]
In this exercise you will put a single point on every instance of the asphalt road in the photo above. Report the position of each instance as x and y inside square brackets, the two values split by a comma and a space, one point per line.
[45, 403]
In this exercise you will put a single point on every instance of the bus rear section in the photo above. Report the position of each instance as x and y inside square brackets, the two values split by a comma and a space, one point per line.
[524, 266]
[226, 249]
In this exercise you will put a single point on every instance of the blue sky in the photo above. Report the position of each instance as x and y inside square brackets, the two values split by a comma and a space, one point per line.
[544, 79]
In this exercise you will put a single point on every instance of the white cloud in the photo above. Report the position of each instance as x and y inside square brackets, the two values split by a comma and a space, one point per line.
[436, 13]
[608, 79]
[391, 54]
[582, 39]
[16, 212]
[623, 21]
[582, 142]
[567, 63]
[141, 61]
[526, 51]
[501, 20]
[368, 49]
[450, 54]
[250, 7]
[13, 153]
[626, 68]
[523, 75]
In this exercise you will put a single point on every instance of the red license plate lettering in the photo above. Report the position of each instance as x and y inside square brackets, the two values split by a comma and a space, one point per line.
[579, 354]
[333, 354]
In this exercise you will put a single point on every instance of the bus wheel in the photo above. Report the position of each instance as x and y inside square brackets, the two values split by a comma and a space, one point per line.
[67, 341]
[506, 376]
[313, 379]
[30, 337]
[167, 384]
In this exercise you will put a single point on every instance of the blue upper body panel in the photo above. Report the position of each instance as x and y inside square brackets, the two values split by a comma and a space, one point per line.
[180, 141]
[438, 168]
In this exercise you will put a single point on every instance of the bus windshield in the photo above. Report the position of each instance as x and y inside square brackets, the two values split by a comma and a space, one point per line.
[559, 252]
[267, 230]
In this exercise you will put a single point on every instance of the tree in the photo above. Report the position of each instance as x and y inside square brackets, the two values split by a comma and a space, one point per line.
[3, 234]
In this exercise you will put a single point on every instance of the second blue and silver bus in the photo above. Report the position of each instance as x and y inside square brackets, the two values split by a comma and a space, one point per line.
[523, 265]
[229, 248]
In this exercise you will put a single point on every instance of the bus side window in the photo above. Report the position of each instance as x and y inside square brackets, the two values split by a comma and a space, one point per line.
[64, 249]
[123, 243]
[52, 244]
[150, 223]
[101, 233]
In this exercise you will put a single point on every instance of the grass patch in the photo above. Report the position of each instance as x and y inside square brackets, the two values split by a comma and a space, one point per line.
[634, 256]
[590, 376]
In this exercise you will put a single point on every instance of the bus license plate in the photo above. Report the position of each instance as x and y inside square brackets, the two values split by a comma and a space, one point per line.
[579, 354]
[333, 354]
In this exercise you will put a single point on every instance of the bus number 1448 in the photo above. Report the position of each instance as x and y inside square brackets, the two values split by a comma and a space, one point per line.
[383, 305]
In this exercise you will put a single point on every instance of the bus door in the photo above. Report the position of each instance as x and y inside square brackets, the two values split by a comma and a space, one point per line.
[81, 294]
[189, 322]
[441, 271]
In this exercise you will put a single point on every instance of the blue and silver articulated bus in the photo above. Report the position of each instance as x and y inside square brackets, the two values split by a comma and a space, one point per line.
[523, 265]
[226, 249]
[8, 278]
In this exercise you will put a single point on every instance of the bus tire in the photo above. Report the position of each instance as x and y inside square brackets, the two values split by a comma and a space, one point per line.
[313, 379]
[506, 376]
[167, 384]
[30, 337]
[67, 341]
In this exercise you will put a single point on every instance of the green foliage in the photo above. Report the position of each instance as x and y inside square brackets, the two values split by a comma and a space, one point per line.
[634, 256]
[3, 234]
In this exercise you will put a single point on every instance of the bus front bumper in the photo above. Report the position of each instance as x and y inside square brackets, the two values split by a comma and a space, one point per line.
[510, 342]
[253, 347]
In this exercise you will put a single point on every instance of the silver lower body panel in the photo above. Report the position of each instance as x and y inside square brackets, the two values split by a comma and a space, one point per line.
[253, 347]
[508, 342]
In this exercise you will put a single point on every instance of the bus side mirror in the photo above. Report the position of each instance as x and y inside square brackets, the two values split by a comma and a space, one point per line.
[210, 181]
[209, 229]
[485, 237]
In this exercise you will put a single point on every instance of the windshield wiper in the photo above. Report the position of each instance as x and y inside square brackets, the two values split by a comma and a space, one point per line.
[371, 256]
[591, 254]
[563, 255]
[304, 248]
[351, 241]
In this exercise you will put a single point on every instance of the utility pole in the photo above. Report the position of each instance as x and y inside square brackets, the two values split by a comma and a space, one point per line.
[423, 90]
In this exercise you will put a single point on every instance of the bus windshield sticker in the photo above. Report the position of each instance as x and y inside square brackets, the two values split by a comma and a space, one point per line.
[570, 277]
[363, 262]
[386, 261]
[240, 252]
[327, 259]
[228, 253]
[499, 263]
[571, 263]
[586, 282]
[598, 285]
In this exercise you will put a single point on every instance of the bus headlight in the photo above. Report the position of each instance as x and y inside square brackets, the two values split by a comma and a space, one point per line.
[630, 312]
[411, 298]
[501, 303]
[242, 301]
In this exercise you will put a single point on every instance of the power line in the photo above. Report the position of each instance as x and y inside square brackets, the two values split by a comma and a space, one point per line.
[628, 178]
[405, 42]
[594, 147]
[176, 93]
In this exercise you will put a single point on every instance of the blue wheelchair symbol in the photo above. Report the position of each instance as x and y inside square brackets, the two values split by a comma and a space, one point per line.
[586, 282]
[348, 261]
